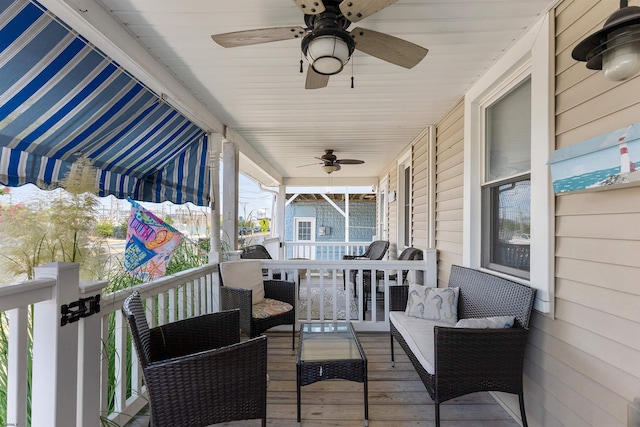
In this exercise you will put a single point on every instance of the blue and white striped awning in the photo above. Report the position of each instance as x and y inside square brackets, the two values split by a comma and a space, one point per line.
[62, 99]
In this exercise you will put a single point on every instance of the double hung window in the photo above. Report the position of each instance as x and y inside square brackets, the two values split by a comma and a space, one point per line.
[506, 186]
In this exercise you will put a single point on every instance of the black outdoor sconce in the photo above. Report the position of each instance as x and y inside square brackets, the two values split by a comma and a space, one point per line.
[615, 49]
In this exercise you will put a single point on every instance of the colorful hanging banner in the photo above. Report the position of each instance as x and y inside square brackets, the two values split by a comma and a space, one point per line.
[150, 243]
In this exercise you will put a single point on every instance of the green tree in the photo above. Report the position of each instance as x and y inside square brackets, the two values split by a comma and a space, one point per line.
[105, 229]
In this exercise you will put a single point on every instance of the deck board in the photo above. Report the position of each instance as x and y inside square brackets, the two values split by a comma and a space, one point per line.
[397, 397]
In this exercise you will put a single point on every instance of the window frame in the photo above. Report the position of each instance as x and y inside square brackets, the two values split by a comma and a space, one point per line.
[383, 208]
[532, 55]
[404, 207]
[487, 184]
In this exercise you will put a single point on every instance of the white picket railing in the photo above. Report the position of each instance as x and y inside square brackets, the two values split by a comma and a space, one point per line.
[71, 384]
[323, 251]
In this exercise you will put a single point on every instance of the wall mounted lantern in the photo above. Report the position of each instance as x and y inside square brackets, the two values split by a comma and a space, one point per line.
[615, 49]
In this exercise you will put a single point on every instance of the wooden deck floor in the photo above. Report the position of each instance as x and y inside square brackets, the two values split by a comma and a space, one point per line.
[397, 397]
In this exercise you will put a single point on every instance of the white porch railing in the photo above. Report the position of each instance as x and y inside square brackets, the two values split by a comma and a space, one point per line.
[87, 369]
[323, 251]
[325, 295]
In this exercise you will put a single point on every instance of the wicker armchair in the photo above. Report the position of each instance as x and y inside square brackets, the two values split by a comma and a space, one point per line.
[196, 371]
[258, 252]
[375, 251]
[408, 254]
[472, 360]
[235, 294]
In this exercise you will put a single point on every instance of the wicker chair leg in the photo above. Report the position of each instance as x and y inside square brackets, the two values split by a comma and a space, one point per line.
[522, 414]
[437, 408]
[393, 359]
[293, 337]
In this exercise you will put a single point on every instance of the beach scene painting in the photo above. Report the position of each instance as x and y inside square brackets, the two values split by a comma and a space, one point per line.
[603, 162]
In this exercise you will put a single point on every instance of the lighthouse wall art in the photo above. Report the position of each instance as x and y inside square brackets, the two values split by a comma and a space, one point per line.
[603, 162]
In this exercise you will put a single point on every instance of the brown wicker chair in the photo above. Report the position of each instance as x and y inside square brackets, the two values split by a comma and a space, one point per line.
[234, 295]
[196, 371]
[471, 360]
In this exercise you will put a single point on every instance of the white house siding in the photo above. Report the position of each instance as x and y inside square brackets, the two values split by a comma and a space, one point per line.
[449, 181]
[583, 367]
[420, 192]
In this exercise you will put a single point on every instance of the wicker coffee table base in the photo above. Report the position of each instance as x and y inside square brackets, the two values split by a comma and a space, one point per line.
[309, 372]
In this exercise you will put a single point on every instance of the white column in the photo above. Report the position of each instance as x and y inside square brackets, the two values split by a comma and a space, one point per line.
[230, 170]
[89, 357]
[280, 218]
[55, 351]
[215, 148]
[347, 238]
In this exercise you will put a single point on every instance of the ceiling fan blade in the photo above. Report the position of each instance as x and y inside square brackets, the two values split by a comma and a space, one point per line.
[349, 162]
[315, 80]
[310, 164]
[261, 35]
[337, 166]
[310, 7]
[388, 48]
[355, 10]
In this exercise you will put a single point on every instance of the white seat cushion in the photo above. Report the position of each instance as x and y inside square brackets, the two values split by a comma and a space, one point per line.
[418, 333]
[244, 274]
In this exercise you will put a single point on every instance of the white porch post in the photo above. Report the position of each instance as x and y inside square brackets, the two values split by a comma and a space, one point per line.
[215, 147]
[55, 351]
[346, 215]
[230, 170]
[281, 202]
[89, 357]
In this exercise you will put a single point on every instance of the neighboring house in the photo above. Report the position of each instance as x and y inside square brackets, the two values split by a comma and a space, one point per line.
[582, 365]
[314, 218]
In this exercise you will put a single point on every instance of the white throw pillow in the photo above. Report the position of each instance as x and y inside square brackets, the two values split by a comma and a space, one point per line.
[439, 304]
[497, 322]
[244, 274]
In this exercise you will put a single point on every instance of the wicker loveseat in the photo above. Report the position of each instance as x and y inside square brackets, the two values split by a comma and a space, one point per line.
[454, 361]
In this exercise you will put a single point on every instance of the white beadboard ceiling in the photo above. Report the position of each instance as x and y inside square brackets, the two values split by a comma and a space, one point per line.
[259, 92]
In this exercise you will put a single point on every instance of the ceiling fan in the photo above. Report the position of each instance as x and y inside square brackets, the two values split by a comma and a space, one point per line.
[326, 42]
[330, 163]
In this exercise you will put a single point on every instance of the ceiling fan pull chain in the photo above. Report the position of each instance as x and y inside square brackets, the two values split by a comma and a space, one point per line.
[301, 70]
[352, 78]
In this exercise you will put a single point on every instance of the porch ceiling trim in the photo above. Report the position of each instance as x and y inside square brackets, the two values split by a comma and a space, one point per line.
[63, 99]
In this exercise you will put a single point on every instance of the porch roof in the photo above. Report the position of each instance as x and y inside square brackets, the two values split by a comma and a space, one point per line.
[63, 99]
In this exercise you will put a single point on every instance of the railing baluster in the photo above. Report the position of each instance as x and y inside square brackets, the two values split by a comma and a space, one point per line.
[17, 366]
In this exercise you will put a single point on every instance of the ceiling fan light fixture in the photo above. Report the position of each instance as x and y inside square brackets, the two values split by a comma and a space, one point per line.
[329, 168]
[328, 51]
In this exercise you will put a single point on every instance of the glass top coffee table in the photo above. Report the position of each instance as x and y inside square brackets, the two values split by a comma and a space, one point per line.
[329, 351]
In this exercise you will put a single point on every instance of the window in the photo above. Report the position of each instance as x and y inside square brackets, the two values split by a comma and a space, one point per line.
[407, 206]
[506, 189]
[508, 201]
[382, 211]
[404, 201]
